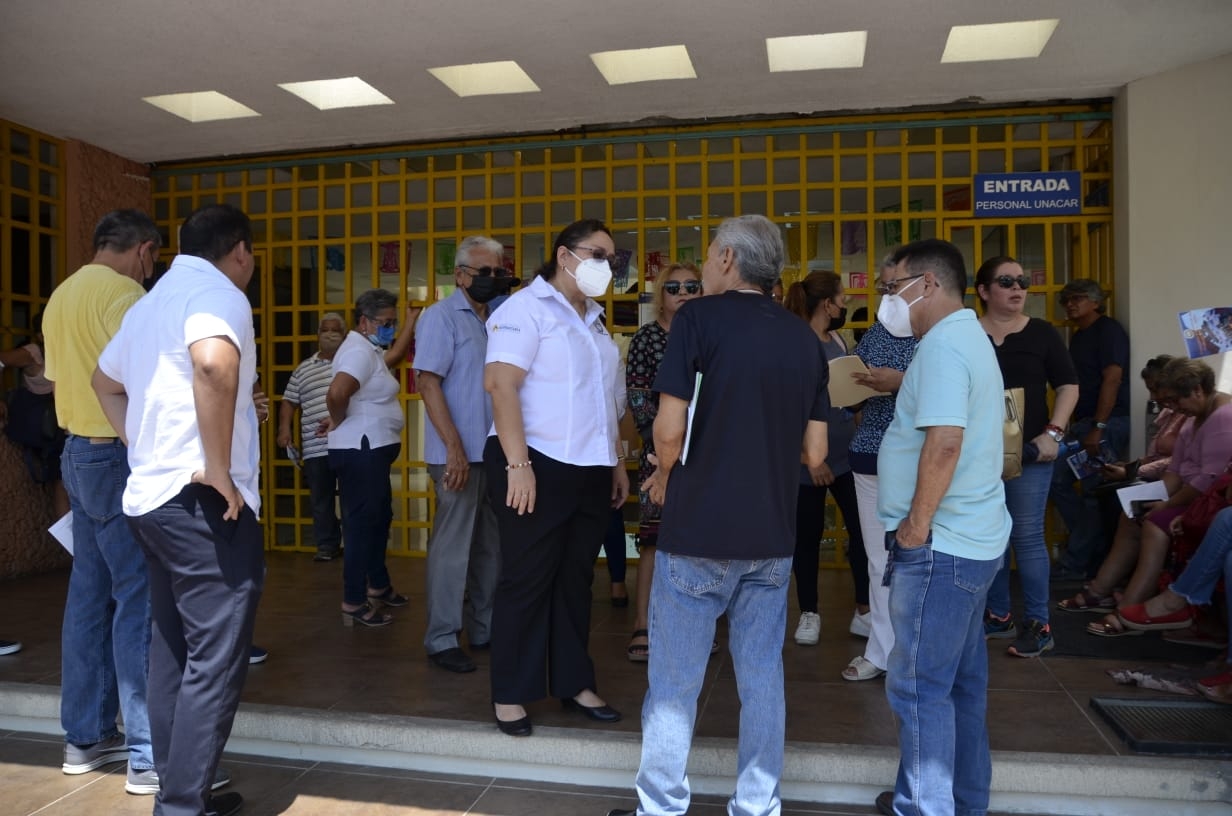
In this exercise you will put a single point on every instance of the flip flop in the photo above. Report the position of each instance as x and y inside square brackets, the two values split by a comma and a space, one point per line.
[639, 652]
[1110, 627]
[1087, 601]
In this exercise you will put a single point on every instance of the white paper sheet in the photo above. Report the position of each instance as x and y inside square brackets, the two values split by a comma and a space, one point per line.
[1143, 491]
[62, 531]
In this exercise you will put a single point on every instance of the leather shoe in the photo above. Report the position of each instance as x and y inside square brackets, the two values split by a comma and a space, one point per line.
[454, 660]
[224, 804]
[514, 728]
[885, 803]
[481, 647]
[603, 713]
[619, 812]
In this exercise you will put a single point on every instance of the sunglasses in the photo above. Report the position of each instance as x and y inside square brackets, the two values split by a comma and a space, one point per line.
[487, 271]
[1008, 281]
[385, 324]
[598, 253]
[691, 287]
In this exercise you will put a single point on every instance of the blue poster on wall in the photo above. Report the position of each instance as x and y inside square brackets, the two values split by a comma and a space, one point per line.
[1019, 195]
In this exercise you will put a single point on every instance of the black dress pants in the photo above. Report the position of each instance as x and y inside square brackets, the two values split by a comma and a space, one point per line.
[541, 616]
[206, 577]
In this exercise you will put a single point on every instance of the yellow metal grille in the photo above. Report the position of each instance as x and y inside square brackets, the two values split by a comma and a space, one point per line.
[844, 190]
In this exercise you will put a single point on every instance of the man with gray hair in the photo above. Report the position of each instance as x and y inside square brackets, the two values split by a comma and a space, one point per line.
[726, 479]
[306, 391]
[464, 550]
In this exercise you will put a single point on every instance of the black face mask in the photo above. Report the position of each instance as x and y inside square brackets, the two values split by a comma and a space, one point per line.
[837, 323]
[483, 289]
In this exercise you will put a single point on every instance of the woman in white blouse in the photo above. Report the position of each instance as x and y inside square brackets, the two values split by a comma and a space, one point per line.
[553, 475]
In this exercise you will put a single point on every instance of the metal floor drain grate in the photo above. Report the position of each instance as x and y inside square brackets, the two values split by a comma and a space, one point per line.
[1169, 726]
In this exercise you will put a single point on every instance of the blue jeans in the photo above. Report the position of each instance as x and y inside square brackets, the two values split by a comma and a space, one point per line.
[105, 641]
[1212, 559]
[1080, 512]
[687, 596]
[1027, 499]
[937, 681]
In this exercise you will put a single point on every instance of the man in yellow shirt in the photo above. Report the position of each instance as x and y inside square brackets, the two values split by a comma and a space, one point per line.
[106, 633]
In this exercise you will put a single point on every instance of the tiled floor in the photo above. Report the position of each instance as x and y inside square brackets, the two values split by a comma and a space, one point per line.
[1035, 705]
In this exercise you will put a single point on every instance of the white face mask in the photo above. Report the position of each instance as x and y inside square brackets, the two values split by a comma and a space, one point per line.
[330, 341]
[593, 276]
[895, 313]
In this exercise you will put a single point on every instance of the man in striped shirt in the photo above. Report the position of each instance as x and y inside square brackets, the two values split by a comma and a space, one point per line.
[306, 391]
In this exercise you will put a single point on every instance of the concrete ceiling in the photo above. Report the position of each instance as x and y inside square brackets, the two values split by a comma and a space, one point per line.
[78, 69]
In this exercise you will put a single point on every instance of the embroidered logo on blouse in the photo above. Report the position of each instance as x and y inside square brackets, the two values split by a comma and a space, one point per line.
[505, 327]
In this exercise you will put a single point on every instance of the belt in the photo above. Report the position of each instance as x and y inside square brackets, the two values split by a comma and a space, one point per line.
[101, 440]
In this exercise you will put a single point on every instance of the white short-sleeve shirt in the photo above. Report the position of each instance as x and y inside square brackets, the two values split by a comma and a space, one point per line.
[150, 356]
[374, 410]
[569, 396]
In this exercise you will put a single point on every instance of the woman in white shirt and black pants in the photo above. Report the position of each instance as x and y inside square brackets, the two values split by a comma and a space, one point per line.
[553, 475]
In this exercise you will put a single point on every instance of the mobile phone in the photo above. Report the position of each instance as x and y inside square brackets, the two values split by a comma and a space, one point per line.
[1139, 507]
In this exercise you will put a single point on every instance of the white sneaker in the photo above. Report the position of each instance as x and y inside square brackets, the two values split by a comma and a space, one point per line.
[861, 625]
[809, 629]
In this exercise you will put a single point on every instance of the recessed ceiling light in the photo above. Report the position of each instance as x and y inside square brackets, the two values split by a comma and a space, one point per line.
[483, 78]
[201, 106]
[327, 94]
[998, 41]
[811, 52]
[644, 64]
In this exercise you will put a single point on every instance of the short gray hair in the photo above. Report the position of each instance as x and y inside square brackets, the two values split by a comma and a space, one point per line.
[475, 244]
[757, 248]
[372, 301]
[328, 316]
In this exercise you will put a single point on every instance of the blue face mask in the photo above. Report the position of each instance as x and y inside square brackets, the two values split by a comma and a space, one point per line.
[384, 336]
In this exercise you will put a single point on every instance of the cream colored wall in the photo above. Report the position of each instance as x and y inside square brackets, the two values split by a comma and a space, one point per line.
[1173, 210]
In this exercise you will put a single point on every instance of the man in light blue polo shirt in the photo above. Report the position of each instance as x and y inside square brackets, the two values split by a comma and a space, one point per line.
[942, 502]
[464, 550]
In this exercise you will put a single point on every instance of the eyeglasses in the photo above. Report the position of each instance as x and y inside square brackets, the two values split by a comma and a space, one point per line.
[385, 324]
[487, 271]
[691, 287]
[598, 253]
[1008, 281]
[891, 288]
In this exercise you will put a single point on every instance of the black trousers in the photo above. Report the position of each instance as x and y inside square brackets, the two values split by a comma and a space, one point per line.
[541, 615]
[206, 577]
[811, 526]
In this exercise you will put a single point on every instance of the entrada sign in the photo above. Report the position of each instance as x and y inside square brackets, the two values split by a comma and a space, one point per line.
[1015, 195]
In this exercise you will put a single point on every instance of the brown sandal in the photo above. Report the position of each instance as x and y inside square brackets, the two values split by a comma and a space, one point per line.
[639, 652]
[1087, 601]
[1110, 627]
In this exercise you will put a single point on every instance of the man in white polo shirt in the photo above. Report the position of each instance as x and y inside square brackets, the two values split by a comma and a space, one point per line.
[175, 382]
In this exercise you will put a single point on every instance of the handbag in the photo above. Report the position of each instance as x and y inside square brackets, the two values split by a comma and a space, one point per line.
[1011, 433]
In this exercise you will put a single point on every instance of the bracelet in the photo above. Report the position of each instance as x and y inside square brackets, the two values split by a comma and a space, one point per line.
[519, 465]
[1056, 428]
[1101, 425]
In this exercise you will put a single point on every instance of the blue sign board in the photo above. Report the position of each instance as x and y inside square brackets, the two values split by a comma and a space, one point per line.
[1018, 195]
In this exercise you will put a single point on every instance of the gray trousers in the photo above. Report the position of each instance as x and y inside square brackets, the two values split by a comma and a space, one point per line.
[463, 562]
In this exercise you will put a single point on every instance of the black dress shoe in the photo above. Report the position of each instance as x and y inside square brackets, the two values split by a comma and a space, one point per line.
[481, 647]
[454, 660]
[603, 713]
[620, 603]
[885, 803]
[224, 804]
[619, 812]
[514, 728]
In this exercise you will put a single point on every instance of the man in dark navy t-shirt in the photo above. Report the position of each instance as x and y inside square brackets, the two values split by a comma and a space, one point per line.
[727, 479]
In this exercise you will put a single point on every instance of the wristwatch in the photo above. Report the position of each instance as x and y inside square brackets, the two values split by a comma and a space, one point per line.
[1101, 425]
[1055, 432]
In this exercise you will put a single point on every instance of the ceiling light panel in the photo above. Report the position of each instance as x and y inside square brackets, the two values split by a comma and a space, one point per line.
[812, 52]
[998, 41]
[328, 94]
[201, 106]
[644, 64]
[485, 78]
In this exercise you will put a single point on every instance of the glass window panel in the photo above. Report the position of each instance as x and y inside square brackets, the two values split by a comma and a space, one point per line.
[444, 219]
[854, 201]
[183, 206]
[624, 208]
[207, 181]
[688, 245]
[389, 167]
[19, 258]
[852, 139]
[308, 172]
[234, 199]
[417, 220]
[532, 215]
[655, 150]
[688, 206]
[1026, 160]
[417, 191]
[233, 178]
[256, 202]
[885, 198]
[656, 177]
[1028, 132]
[502, 185]
[787, 171]
[362, 272]
[1061, 158]
[823, 258]
[282, 229]
[563, 182]
[787, 202]
[956, 163]
[361, 225]
[503, 216]
[1061, 131]
[922, 136]
[183, 182]
[260, 230]
[819, 141]
[922, 165]
[474, 218]
[19, 210]
[820, 201]
[786, 142]
[162, 209]
[594, 153]
[752, 171]
[48, 262]
[387, 193]
[283, 175]
[48, 183]
[282, 200]
[956, 134]
[657, 208]
[19, 175]
[853, 168]
[334, 170]
[335, 226]
[688, 175]
[474, 161]
[474, 188]
[991, 161]
[888, 137]
[308, 198]
[594, 180]
[49, 153]
[563, 213]
[887, 166]
[595, 208]
[990, 133]
[720, 147]
[162, 184]
[445, 189]
[722, 205]
[753, 202]
[688, 147]
[925, 195]
[624, 178]
[720, 174]
[361, 195]
[532, 183]
[563, 155]
[820, 169]
[625, 150]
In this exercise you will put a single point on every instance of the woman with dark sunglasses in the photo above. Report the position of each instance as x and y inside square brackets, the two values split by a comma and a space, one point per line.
[680, 283]
[1033, 357]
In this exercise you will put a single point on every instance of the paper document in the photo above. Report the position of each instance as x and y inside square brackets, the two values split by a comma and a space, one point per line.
[845, 391]
[62, 531]
[688, 428]
[294, 455]
[1143, 491]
